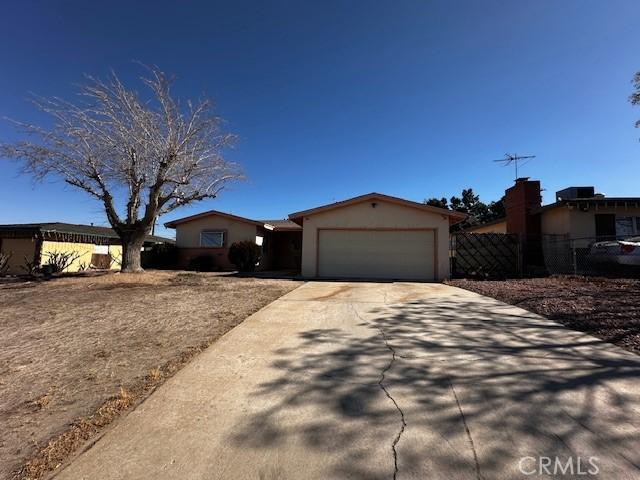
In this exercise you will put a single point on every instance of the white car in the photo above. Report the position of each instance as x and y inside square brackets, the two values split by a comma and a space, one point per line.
[622, 252]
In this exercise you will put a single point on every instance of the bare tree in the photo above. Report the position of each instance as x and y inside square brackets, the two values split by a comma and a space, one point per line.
[634, 98]
[153, 153]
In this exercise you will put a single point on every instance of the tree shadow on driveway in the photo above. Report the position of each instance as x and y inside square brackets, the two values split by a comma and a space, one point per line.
[449, 388]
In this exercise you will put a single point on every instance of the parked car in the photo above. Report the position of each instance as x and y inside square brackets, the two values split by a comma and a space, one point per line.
[621, 252]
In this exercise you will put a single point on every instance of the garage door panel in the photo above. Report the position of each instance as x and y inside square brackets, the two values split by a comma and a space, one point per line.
[401, 254]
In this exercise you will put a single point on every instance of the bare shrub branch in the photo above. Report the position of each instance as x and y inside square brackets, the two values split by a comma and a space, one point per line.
[60, 261]
[634, 98]
[4, 262]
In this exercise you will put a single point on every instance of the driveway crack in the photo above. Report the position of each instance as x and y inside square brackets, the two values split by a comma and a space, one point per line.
[469, 437]
[388, 367]
[393, 400]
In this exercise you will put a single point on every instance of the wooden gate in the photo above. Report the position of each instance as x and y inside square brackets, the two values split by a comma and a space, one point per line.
[485, 255]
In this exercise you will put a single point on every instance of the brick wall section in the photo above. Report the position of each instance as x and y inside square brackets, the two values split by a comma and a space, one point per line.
[219, 255]
[520, 200]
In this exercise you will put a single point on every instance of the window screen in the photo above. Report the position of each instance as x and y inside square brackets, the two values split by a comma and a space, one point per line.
[624, 226]
[212, 238]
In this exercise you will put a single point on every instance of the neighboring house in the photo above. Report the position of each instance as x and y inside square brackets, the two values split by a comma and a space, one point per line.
[370, 236]
[33, 242]
[495, 226]
[578, 214]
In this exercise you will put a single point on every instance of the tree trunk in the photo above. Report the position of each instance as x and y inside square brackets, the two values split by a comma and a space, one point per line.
[131, 255]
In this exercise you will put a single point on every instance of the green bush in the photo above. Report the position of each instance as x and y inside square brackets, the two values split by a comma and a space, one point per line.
[245, 255]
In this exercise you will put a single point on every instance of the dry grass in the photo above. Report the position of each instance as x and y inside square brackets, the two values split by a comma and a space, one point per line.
[77, 352]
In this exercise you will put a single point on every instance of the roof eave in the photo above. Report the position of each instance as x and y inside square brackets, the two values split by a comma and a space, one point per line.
[197, 216]
[454, 217]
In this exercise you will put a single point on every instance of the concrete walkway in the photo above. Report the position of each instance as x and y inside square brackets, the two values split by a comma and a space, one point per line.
[383, 381]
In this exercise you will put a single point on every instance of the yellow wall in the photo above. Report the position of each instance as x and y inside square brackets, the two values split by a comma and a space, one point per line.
[188, 234]
[384, 215]
[500, 227]
[85, 250]
[19, 248]
[116, 256]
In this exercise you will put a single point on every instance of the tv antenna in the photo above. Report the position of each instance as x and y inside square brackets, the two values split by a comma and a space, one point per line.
[514, 158]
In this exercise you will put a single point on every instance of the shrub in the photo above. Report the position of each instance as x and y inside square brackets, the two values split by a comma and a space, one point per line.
[30, 267]
[4, 262]
[202, 263]
[245, 255]
[59, 261]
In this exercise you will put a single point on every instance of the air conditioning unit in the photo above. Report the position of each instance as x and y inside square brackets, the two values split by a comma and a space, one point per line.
[574, 193]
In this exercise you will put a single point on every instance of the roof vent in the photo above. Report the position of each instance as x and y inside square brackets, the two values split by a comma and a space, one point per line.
[574, 193]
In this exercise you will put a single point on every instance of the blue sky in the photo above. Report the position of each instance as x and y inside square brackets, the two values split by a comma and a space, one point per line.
[333, 99]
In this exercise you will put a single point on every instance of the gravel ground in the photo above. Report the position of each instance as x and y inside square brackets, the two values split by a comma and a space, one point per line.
[77, 352]
[606, 308]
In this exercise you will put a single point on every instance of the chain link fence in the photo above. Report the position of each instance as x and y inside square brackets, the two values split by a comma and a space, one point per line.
[615, 256]
[492, 255]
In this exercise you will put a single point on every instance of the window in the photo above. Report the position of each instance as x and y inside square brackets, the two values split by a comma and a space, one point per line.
[101, 249]
[627, 226]
[624, 226]
[212, 238]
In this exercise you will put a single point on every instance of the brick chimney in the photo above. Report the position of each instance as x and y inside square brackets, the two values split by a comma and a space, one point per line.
[519, 202]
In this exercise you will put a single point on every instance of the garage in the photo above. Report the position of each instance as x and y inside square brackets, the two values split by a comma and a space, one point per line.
[376, 236]
[377, 254]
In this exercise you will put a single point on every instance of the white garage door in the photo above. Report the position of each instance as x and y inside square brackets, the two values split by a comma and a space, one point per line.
[384, 254]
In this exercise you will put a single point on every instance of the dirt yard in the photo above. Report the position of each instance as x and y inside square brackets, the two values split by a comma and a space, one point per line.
[606, 308]
[77, 352]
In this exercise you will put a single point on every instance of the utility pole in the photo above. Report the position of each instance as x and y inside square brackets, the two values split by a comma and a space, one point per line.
[514, 158]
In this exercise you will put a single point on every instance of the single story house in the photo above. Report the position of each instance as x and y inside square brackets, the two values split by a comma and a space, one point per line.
[211, 234]
[97, 247]
[372, 236]
[579, 214]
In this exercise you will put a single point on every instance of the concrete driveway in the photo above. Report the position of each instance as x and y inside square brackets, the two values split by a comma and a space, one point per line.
[382, 381]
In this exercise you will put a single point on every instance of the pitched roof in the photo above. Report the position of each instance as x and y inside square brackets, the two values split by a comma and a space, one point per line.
[72, 228]
[278, 225]
[281, 225]
[454, 217]
[173, 223]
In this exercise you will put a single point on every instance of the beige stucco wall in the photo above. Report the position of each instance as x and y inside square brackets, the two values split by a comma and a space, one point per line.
[188, 239]
[18, 248]
[578, 224]
[188, 234]
[555, 221]
[500, 227]
[384, 215]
